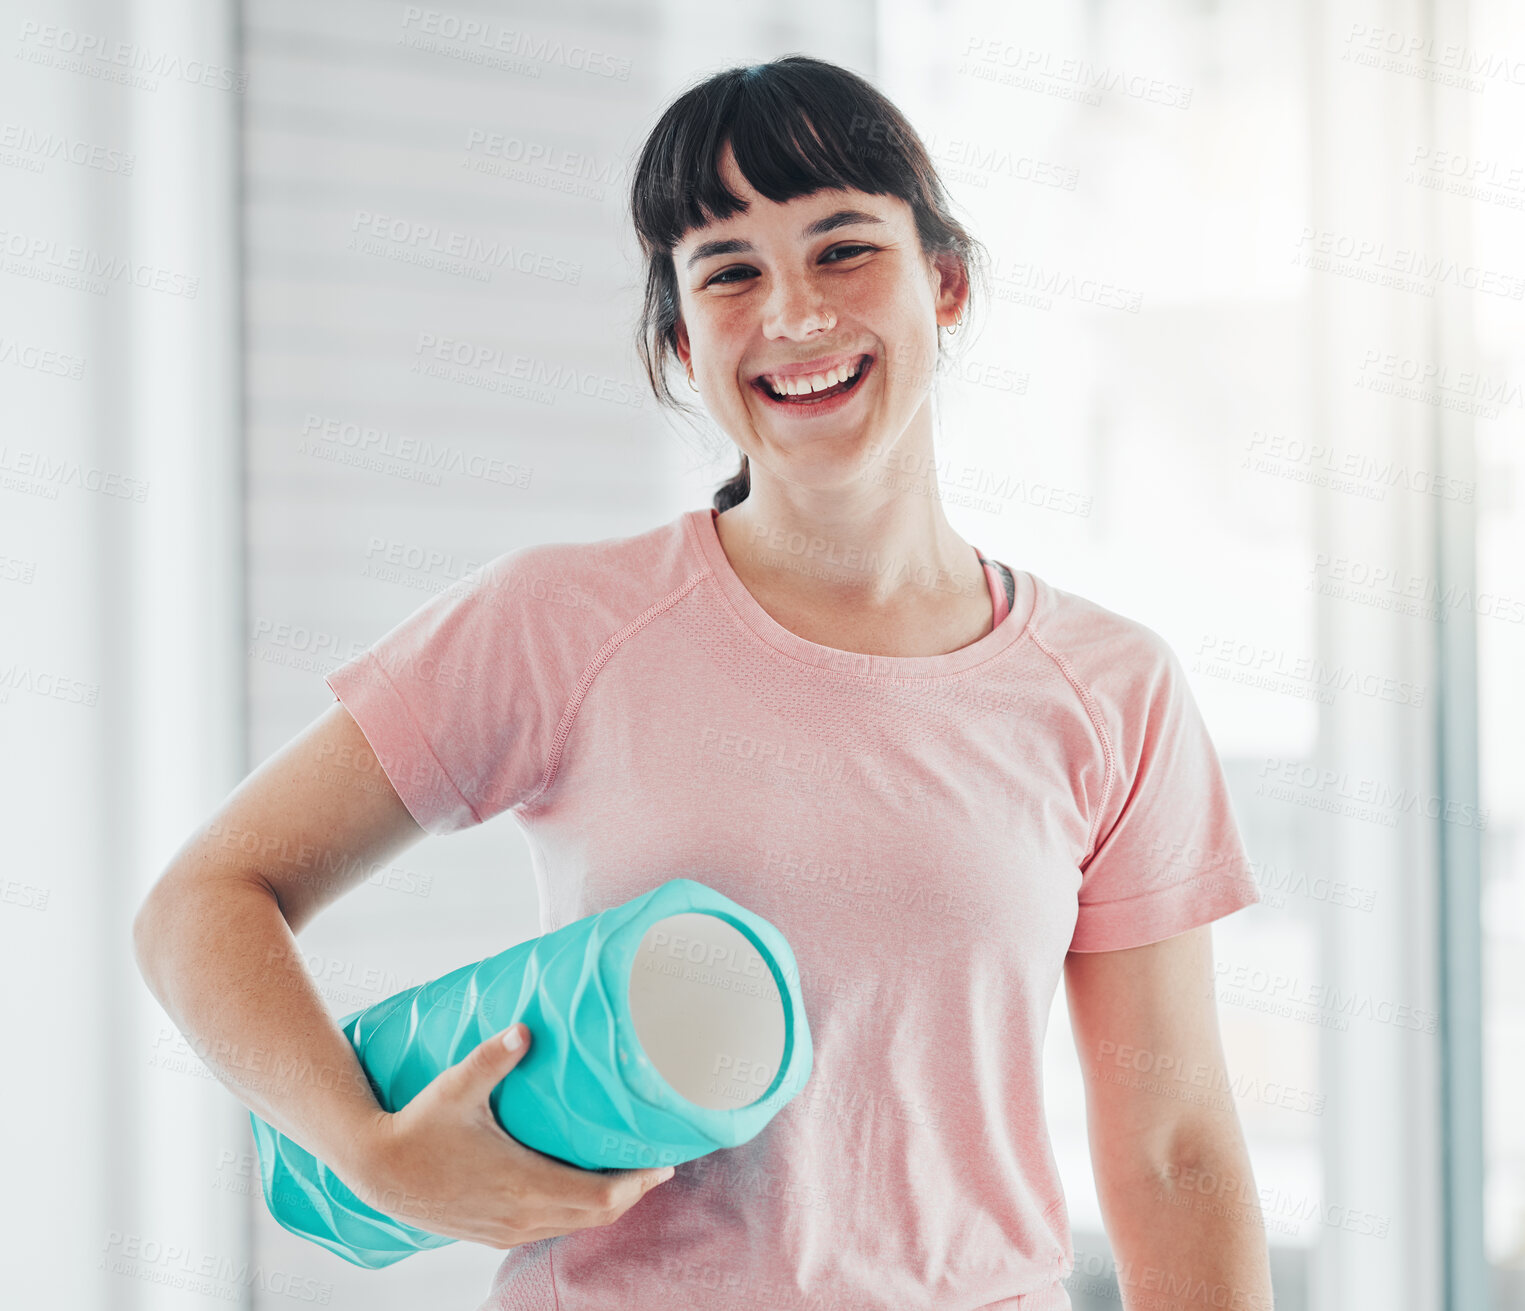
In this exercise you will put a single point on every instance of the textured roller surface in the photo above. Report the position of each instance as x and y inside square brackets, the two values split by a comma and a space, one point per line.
[586, 1093]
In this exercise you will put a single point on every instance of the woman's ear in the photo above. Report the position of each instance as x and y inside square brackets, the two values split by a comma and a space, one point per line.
[680, 338]
[950, 287]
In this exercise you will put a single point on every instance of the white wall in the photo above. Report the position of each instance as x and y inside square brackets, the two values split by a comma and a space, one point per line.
[121, 591]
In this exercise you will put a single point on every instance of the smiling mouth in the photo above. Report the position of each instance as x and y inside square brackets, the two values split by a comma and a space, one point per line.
[815, 398]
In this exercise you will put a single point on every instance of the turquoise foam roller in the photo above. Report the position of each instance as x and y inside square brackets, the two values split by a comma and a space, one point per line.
[661, 1030]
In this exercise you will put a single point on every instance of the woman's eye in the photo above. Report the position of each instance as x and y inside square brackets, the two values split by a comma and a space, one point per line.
[846, 250]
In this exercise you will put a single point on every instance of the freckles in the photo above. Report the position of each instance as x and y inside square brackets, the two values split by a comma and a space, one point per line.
[732, 315]
[861, 295]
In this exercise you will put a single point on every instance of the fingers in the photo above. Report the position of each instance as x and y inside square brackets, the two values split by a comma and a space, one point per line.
[553, 1212]
[575, 1191]
[482, 1069]
[617, 1193]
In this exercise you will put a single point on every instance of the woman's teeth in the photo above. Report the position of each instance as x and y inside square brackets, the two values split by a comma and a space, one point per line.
[805, 385]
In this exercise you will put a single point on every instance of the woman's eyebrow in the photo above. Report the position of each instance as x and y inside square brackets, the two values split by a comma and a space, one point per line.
[734, 245]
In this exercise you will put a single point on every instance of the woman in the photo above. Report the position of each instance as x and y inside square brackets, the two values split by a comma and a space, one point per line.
[944, 780]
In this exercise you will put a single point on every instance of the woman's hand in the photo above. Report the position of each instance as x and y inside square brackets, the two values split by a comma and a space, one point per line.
[443, 1163]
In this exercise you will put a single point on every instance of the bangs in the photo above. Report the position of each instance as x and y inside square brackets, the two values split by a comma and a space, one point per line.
[788, 140]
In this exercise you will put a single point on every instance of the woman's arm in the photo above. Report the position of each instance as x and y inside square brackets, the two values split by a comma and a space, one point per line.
[215, 937]
[215, 943]
[1172, 1172]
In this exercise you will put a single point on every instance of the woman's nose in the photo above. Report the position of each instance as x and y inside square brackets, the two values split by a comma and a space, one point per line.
[796, 308]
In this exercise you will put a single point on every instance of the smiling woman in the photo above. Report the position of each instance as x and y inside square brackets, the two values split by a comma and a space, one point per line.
[743, 145]
[816, 698]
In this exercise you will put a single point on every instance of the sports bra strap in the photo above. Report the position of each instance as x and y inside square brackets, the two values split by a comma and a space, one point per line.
[1007, 581]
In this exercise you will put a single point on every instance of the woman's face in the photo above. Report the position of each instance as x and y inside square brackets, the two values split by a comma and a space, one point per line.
[859, 289]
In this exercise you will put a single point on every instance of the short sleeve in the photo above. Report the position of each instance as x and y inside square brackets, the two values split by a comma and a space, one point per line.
[455, 700]
[1167, 855]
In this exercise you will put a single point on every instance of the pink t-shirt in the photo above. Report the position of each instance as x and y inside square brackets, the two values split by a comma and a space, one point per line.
[932, 834]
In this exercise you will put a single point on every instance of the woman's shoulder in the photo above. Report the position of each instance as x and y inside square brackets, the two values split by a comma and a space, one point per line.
[568, 597]
[644, 561]
[1101, 648]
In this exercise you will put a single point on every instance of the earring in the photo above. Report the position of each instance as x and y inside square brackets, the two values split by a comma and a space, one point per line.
[957, 319]
[691, 385]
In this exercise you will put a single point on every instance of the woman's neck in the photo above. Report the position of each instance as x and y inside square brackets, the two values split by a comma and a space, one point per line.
[901, 558]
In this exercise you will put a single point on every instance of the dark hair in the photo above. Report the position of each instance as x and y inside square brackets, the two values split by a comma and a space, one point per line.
[796, 125]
